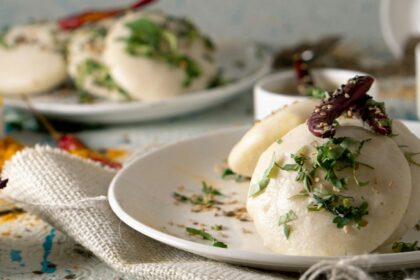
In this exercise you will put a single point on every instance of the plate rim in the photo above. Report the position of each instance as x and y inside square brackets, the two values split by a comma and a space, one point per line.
[378, 262]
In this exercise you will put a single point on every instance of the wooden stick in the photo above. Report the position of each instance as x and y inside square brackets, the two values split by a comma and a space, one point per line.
[48, 126]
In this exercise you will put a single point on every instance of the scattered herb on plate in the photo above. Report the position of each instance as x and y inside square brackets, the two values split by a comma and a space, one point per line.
[207, 236]
[217, 227]
[228, 174]
[206, 200]
[400, 247]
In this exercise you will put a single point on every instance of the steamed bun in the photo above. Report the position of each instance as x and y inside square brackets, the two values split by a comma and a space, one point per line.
[313, 233]
[31, 58]
[244, 155]
[153, 56]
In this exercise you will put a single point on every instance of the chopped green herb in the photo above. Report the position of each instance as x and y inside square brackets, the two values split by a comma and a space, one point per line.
[85, 97]
[342, 209]
[230, 174]
[288, 217]
[209, 190]
[332, 156]
[304, 174]
[286, 230]
[207, 236]
[301, 194]
[338, 154]
[315, 92]
[261, 185]
[284, 220]
[180, 197]
[205, 198]
[218, 81]
[217, 227]
[409, 156]
[100, 75]
[399, 247]
[279, 141]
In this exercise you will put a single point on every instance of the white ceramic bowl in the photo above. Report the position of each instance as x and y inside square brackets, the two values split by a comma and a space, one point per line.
[400, 20]
[279, 89]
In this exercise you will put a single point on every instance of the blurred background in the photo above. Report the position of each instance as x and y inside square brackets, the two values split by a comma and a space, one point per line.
[276, 22]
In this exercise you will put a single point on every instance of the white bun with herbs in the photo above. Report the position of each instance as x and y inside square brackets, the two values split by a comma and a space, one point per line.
[377, 191]
[32, 59]
[153, 56]
[245, 154]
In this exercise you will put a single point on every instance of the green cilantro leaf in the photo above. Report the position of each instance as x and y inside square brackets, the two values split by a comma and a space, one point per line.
[261, 185]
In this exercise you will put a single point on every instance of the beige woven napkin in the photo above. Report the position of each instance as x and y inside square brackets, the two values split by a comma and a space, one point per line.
[69, 193]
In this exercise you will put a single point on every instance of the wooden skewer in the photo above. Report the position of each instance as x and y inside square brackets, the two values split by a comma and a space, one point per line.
[48, 126]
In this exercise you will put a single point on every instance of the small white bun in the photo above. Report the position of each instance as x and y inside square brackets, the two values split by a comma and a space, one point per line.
[313, 233]
[31, 61]
[85, 65]
[245, 154]
[29, 69]
[146, 78]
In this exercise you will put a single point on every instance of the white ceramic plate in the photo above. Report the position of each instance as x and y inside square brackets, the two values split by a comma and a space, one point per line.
[141, 196]
[243, 62]
[399, 21]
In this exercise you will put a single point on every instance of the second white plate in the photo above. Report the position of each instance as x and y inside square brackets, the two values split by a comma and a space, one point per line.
[141, 195]
[242, 62]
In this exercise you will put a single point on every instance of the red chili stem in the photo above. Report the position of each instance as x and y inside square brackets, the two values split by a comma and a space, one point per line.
[302, 73]
[77, 20]
[69, 142]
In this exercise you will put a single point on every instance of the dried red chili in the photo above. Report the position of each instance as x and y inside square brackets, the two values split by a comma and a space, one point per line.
[302, 73]
[351, 96]
[74, 145]
[77, 20]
